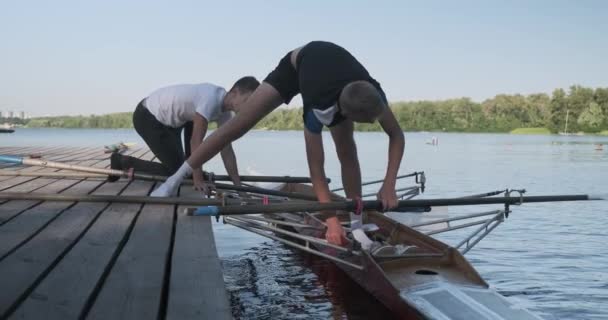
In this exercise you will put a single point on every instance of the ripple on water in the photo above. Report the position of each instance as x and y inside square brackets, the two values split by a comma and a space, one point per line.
[275, 282]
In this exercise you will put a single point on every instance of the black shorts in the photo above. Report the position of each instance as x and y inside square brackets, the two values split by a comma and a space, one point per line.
[284, 78]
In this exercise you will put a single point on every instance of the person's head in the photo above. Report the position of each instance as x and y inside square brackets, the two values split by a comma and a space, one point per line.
[240, 91]
[360, 101]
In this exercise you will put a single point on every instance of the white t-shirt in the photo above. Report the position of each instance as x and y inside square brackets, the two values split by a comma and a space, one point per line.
[175, 105]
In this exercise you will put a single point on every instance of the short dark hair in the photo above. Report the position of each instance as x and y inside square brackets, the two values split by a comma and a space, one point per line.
[246, 84]
[363, 98]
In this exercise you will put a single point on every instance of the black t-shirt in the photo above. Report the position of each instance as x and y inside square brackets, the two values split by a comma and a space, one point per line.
[323, 70]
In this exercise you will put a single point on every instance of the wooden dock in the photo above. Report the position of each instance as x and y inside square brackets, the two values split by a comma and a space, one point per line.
[77, 260]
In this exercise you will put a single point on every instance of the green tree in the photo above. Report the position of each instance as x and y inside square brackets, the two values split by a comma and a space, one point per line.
[592, 118]
[558, 109]
[578, 100]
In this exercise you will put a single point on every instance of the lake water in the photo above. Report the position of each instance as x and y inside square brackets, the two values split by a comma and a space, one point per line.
[550, 258]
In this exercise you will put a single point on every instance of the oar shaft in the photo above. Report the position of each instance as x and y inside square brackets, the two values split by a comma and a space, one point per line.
[129, 199]
[58, 165]
[143, 176]
[286, 179]
[58, 175]
[377, 205]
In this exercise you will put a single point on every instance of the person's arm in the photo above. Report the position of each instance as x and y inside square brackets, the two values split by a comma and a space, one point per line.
[199, 130]
[265, 99]
[314, 152]
[396, 146]
[229, 160]
[228, 156]
[346, 148]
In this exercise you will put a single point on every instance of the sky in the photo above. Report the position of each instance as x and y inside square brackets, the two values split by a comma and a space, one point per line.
[96, 57]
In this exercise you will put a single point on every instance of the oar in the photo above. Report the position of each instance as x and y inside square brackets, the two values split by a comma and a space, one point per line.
[58, 165]
[142, 176]
[285, 179]
[377, 205]
[131, 199]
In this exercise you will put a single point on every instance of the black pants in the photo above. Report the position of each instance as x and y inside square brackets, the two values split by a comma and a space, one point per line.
[164, 141]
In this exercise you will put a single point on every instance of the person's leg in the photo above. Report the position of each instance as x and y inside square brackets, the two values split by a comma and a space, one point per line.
[144, 123]
[163, 141]
[188, 128]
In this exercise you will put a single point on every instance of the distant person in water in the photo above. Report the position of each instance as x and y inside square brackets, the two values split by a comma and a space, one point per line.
[337, 91]
[161, 117]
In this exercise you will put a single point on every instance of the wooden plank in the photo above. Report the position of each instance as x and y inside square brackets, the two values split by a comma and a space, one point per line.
[44, 151]
[10, 209]
[47, 153]
[36, 183]
[30, 226]
[56, 154]
[134, 287]
[197, 288]
[9, 183]
[63, 294]
[87, 153]
[23, 269]
[27, 183]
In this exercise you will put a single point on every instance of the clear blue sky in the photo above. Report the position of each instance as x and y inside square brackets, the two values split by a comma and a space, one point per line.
[83, 57]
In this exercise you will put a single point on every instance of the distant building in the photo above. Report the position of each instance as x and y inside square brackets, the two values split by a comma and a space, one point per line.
[1, 114]
[22, 114]
[10, 114]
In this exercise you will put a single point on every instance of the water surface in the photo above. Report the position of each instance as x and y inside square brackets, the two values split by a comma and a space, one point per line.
[550, 258]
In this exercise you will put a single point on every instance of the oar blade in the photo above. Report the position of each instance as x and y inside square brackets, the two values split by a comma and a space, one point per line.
[601, 196]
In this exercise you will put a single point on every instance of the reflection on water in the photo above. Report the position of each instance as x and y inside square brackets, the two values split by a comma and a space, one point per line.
[275, 282]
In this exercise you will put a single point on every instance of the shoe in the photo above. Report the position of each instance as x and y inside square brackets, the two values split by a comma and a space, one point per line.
[116, 164]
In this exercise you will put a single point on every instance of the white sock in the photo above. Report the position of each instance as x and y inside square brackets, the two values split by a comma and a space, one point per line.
[169, 188]
[182, 172]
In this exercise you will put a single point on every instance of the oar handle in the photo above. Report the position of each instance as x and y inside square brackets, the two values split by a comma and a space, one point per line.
[205, 211]
[11, 159]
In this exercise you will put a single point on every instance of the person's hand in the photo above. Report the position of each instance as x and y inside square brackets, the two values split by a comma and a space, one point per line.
[335, 233]
[388, 196]
[199, 183]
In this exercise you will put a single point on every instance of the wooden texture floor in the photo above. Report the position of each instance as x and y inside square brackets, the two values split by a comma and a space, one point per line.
[79, 260]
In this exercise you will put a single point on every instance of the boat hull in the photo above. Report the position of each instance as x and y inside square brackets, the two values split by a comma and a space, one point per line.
[433, 281]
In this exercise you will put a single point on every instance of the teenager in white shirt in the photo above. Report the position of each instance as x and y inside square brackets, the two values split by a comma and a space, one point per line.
[161, 117]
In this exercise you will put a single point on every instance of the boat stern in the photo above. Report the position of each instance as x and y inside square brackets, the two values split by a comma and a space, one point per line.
[444, 301]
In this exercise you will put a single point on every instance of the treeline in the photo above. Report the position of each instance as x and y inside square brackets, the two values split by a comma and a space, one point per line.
[111, 120]
[587, 111]
[14, 121]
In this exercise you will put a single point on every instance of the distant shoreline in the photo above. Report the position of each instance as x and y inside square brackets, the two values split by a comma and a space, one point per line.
[522, 132]
[578, 110]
